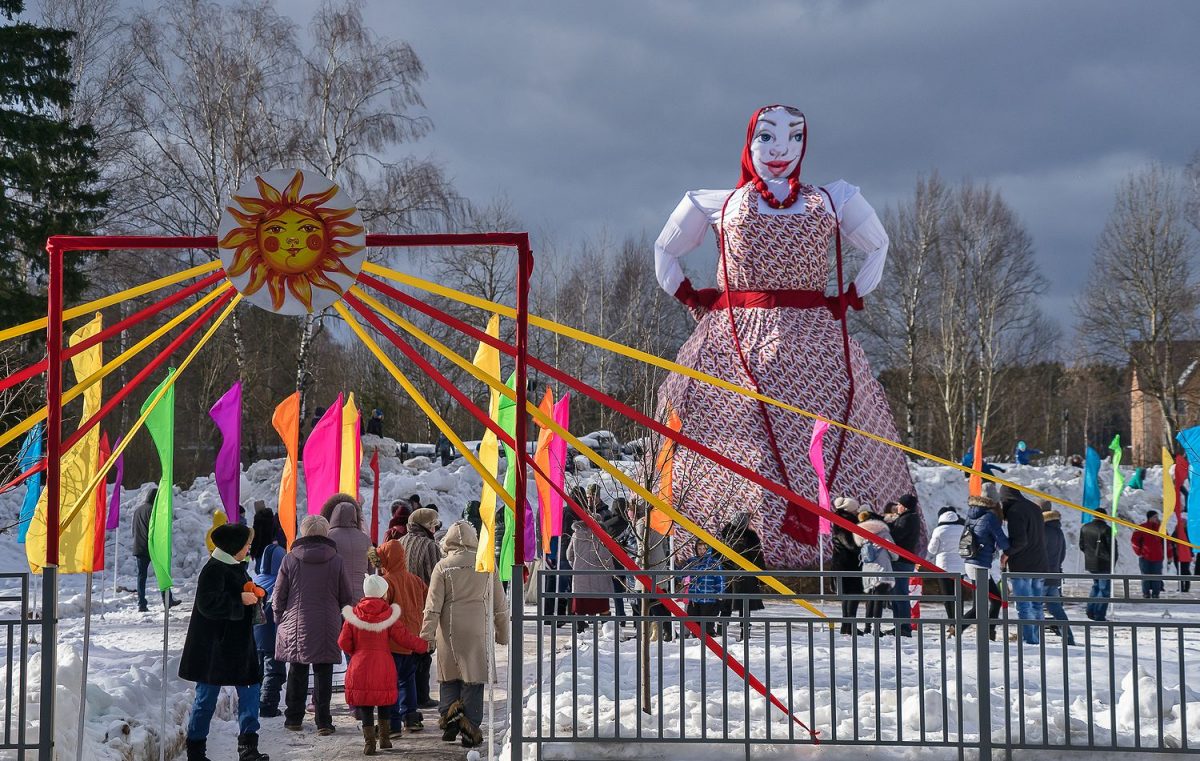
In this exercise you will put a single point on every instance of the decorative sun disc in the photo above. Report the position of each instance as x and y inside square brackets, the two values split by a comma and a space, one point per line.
[291, 241]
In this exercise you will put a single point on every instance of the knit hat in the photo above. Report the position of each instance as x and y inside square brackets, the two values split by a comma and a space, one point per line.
[849, 504]
[230, 538]
[314, 525]
[374, 586]
[426, 518]
[909, 501]
[1051, 515]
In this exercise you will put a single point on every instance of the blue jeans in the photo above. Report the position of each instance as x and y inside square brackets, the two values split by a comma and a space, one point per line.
[1101, 588]
[902, 606]
[406, 688]
[206, 702]
[1057, 612]
[1150, 587]
[1029, 610]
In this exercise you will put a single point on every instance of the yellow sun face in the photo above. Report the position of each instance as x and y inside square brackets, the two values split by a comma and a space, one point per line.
[291, 242]
[293, 250]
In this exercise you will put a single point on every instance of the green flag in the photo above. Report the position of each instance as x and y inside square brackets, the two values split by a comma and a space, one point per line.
[506, 418]
[161, 425]
[1118, 479]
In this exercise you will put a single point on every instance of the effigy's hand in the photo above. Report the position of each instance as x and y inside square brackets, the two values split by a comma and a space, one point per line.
[693, 299]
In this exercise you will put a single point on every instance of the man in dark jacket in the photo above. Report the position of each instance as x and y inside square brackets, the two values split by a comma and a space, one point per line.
[614, 519]
[1098, 542]
[1056, 552]
[906, 533]
[1026, 554]
[219, 649]
[141, 548]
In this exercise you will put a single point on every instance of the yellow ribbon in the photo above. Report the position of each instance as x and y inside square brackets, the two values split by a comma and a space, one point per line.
[137, 426]
[548, 422]
[107, 369]
[666, 364]
[106, 301]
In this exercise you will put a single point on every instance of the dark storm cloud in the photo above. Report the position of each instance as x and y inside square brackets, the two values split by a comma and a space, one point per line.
[599, 115]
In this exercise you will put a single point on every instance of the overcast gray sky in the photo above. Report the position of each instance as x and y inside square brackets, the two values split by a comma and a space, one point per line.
[598, 115]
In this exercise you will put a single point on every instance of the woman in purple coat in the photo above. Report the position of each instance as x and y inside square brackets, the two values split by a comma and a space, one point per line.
[310, 591]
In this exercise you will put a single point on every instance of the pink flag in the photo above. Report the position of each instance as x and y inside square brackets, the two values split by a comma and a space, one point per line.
[817, 457]
[558, 463]
[323, 458]
[114, 503]
[227, 414]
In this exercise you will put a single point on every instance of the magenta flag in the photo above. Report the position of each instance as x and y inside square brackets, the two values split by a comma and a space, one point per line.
[558, 463]
[227, 414]
[323, 458]
[114, 502]
[816, 456]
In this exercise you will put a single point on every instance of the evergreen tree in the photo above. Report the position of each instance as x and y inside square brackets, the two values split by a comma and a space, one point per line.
[47, 165]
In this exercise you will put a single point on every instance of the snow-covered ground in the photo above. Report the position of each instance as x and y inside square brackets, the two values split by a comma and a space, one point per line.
[125, 692]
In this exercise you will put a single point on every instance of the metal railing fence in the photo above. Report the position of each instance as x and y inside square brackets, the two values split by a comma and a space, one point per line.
[866, 675]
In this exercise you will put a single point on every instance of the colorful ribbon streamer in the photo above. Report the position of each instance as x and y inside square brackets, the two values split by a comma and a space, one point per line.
[160, 422]
[114, 502]
[227, 471]
[31, 454]
[816, 456]
[1118, 477]
[351, 455]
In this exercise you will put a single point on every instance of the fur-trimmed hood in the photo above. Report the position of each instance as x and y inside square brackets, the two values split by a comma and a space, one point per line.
[372, 614]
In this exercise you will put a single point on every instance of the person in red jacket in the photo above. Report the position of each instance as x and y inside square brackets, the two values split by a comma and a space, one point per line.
[1181, 554]
[1150, 552]
[371, 627]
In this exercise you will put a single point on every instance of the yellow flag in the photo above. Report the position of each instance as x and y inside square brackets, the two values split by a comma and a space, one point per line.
[487, 359]
[1168, 487]
[76, 544]
[351, 449]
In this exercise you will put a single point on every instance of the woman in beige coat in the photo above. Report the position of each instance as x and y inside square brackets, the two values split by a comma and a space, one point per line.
[454, 615]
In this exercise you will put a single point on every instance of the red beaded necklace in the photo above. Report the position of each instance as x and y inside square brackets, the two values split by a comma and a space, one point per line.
[769, 197]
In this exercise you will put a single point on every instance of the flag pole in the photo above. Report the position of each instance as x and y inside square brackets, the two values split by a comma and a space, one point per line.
[162, 744]
[87, 636]
[116, 555]
[489, 637]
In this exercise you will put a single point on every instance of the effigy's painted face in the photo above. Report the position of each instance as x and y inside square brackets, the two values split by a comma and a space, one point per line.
[777, 143]
[292, 242]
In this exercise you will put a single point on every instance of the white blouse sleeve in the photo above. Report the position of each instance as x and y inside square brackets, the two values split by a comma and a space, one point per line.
[681, 235]
[862, 229]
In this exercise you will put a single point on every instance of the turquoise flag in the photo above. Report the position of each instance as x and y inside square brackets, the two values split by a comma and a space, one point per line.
[1118, 479]
[161, 425]
[1190, 439]
[1091, 483]
[31, 454]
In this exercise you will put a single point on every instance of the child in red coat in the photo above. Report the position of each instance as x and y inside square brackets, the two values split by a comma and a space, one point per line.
[370, 628]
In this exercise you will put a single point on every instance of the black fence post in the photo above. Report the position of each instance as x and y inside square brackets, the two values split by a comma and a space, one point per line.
[49, 663]
[983, 672]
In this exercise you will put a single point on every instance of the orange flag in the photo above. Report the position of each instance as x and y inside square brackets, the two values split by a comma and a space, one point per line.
[287, 423]
[975, 487]
[664, 464]
[541, 456]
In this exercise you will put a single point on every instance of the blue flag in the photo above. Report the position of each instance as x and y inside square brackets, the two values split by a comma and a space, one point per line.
[1190, 439]
[1091, 483]
[31, 454]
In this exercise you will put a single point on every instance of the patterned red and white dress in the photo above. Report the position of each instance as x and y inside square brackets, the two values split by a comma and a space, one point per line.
[797, 356]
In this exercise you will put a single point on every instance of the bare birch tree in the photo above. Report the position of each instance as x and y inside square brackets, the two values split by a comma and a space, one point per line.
[1141, 294]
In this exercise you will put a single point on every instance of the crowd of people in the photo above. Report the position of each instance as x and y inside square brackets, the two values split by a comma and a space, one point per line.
[272, 621]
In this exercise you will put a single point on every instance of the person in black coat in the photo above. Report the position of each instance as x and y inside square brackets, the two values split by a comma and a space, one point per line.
[746, 542]
[1056, 553]
[219, 649]
[1026, 554]
[141, 549]
[847, 556]
[906, 533]
[614, 519]
[1098, 542]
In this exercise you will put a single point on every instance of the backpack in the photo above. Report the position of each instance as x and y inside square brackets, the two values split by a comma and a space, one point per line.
[969, 546]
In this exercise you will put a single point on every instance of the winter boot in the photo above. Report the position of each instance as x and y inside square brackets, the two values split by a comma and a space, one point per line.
[448, 722]
[248, 748]
[472, 737]
[385, 733]
[369, 740]
[197, 750]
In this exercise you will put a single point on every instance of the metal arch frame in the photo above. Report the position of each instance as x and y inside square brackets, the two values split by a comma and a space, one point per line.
[56, 248]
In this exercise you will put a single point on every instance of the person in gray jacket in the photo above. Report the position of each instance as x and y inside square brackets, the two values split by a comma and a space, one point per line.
[345, 529]
[1056, 553]
[310, 591]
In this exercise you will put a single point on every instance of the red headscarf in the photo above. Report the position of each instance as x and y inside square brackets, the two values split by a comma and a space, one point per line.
[748, 171]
